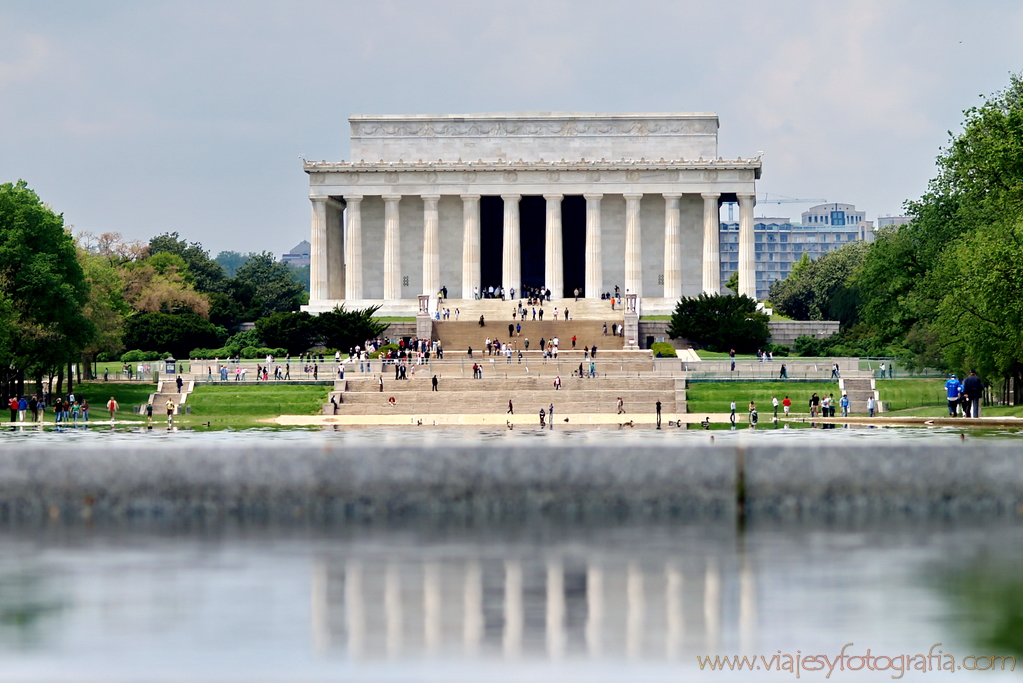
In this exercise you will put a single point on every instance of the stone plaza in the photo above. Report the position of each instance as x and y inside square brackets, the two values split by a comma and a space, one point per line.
[565, 202]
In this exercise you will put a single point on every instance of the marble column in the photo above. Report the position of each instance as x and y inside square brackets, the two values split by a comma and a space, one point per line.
[353, 247]
[711, 247]
[470, 244]
[633, 246]
[594, 265]
[335, 250]
[318, 251]
[554, 271]
[392, 248]
[511, 263]
[672, 248]
[431, 245]
[747, 246]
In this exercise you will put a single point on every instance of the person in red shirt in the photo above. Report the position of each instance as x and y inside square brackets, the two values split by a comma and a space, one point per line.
[786, 404]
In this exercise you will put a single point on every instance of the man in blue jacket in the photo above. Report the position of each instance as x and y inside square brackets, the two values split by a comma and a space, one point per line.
[952, 391]
[973, 389]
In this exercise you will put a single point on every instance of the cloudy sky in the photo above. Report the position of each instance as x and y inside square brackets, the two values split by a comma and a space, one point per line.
[149, 116]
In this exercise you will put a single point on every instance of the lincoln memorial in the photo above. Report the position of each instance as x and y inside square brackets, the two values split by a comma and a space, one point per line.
[565, 202]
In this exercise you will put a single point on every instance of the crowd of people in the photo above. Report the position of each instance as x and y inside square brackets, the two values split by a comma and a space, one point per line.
[66, 408]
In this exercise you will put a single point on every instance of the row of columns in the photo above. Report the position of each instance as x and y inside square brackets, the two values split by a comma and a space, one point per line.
[434, 606]
[328, 255]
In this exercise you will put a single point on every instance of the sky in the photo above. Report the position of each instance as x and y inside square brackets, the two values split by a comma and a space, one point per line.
[146, 117]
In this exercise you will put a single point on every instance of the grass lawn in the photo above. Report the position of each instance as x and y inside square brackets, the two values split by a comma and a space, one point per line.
[238, 406]
[395, 319]
[651, 318]
[715, 397]
[924, 395]
[912, 393]
[127, 394]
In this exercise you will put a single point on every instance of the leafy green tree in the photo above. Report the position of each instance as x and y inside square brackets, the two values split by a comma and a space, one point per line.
[205, 273]
[294, 331]
[979, 182]
[42, 286]
[719, 323]
[980, 319]
[268, 286]
[177, 333]
[733, 282]
[824, 289]
[231, 261]
[341, 329]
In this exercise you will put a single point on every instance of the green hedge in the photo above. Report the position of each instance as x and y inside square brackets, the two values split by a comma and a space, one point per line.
[663, 350]
[137, 356]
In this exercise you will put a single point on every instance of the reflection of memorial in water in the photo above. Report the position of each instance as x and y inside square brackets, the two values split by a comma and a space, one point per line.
[549, 606]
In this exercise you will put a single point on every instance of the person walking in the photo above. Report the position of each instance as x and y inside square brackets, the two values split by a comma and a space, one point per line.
[731, 417]
[774, 403]
[620, 405]
[952, 394]
[511, 408]
[658, 409]
[149, 413]
[543, 418]
[871, 405]
[550, 415]
[170, 412]
[179, 382]
[557, 383]
[731, 355]
[12, 404]
[973, 391]
[844, 402]
[786, 404]
[753, 417]
[783, 373]
[112, 407]
[85, 409]
[834, 372]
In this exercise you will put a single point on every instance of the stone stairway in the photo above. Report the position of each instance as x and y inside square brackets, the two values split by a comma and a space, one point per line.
[528, 395]
[168, 390]
[469, 310]
[859, 390]
[462, 335]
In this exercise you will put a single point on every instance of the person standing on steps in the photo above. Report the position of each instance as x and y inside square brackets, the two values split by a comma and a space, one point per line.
[433, 383]
[179, 383]
[543, 416]
[658, 408]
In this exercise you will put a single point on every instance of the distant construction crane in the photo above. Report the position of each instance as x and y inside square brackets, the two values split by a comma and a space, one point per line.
[783, 200]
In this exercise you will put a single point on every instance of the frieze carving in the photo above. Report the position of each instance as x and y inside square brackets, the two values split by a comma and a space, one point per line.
[391, 177]
[431, 177]
[632, 176]
[593, 176]
[532, 128]
[510, 176]
[469, 177]
[553, 176]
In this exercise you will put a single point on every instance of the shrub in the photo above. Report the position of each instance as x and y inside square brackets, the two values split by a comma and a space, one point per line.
[663, 350]
[105, 356]
[137, 356]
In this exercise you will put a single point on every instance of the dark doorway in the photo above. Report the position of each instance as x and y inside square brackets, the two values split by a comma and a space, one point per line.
[491, 241]
[533, 234]
[573, 243]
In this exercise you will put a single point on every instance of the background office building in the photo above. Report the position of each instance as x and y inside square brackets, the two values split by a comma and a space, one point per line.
[779, 243]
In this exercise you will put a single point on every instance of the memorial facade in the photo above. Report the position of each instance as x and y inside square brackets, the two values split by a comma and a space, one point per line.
[564, 202]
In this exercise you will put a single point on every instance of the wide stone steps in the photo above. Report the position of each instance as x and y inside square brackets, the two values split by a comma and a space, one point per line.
[462, 335]
[470, 310]
[568, 384]
[494, 402]
[859, 390]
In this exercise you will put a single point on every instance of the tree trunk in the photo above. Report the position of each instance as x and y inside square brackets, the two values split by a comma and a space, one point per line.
[60, 381]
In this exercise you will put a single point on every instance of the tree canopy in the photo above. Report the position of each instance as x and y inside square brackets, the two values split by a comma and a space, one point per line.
[720, 322]
[43, 289]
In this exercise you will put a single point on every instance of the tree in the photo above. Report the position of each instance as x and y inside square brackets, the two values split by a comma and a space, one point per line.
[269, 285]
[293, 331]
[825, 289]
[341, 329]
[733, 282]
[980, 319]
[42, 286]
[719, 323]
[979, 182]
[231, 261]
[177, 334]
[203, 272]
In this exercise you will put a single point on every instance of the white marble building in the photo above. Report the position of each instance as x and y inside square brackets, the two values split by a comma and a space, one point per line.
[561, 201]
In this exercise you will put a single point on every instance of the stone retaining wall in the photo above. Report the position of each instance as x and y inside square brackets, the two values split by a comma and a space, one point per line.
[333, 482]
